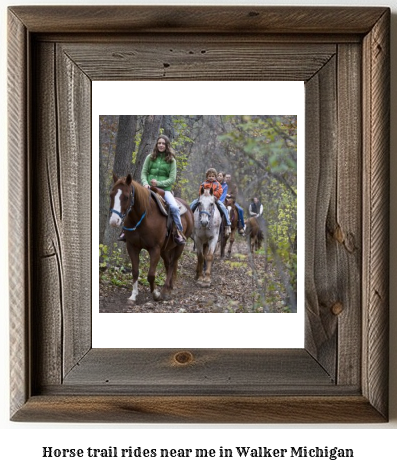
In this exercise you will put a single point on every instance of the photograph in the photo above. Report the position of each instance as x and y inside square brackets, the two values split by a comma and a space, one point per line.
[198, 213]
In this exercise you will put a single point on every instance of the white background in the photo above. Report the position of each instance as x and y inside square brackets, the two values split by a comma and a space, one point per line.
[374, 445]
[226, 330]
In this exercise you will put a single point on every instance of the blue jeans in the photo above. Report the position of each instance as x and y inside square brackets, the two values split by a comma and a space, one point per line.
[240, 214]
[221, 206]
[174, 210]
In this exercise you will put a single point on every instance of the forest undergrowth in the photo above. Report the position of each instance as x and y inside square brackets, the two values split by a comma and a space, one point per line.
[240, 283]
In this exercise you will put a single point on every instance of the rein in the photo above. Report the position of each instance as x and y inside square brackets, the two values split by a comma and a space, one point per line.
[135, 227]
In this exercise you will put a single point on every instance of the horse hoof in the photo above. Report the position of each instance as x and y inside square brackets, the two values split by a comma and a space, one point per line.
[204, 283]
[156, 295]
[131, 302]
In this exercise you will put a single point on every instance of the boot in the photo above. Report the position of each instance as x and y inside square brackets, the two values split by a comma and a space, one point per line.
[179, 238]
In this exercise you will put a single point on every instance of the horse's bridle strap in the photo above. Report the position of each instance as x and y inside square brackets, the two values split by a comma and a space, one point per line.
[205, 212]
[135, 227]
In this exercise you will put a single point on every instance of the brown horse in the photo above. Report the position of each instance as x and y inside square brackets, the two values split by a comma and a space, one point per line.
[254, 234]
[145, 227]
[233, 216]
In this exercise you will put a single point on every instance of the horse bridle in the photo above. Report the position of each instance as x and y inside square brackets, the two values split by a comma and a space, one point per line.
[208, 214]
[121, 215]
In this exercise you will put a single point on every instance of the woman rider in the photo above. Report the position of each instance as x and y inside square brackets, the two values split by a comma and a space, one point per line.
[159, 170]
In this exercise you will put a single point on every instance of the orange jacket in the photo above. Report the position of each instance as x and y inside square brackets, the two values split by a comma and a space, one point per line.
[216, 188]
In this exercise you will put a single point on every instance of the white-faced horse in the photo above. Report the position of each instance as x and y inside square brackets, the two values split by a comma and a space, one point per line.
[145, 227]
[207, 220]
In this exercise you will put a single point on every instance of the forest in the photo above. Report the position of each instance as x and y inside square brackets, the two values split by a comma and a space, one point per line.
[260, 154]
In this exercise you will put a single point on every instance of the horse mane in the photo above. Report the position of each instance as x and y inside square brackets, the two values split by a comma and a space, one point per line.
[142, 195]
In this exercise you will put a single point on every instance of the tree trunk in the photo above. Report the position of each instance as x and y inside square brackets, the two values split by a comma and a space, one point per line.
[125, 145]
[149, 137]
[107, 141]
[168, 127]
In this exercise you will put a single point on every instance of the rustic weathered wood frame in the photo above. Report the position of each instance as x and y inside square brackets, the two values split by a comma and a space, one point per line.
[343, 56]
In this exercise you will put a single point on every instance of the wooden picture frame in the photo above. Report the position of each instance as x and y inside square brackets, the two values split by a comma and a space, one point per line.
[342, 54]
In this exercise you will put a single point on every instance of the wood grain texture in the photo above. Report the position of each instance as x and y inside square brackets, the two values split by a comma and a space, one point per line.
[228, 370]
[376, 91]
[47, 325]
[320, 174]
[62, 175]
[198, 409]
[19, 201]
[341, 376]
[73, 89]
[218, 59]
[199, 19]
[346, 228]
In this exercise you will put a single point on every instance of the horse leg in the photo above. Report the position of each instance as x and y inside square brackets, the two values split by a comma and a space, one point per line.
[222, 237]
[253, 244]
[209, 257]
[154, 260]
[134, 256]
[171, 263]
[231, 241]
[176, 254]
[200, 263]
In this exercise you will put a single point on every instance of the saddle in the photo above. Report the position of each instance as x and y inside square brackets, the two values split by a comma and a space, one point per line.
[158, 196]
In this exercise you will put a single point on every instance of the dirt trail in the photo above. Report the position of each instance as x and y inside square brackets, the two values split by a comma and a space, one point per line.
[233, 287]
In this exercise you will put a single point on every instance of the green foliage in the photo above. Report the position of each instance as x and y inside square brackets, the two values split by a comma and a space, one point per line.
[262, 157]
[182, 144]
[138, 138]
[103, 256]
[114, 270]
[112, 267]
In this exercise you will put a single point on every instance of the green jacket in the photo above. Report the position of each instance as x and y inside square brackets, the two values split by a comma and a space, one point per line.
[160, 170]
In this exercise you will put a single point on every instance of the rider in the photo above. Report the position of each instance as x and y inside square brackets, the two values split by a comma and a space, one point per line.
[221, 180]
[255, 208]
[159, 170]
[233, 192]
[211, 182]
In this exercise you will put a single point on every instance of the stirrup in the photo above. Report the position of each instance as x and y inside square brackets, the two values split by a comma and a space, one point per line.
[179, 238]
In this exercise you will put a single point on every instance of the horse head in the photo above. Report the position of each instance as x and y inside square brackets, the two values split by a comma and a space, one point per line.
[206, 206]
[121, 199]
[229, 201]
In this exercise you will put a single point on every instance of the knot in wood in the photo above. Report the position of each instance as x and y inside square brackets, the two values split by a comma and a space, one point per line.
[337, 308]
[183, 358]
[338, 235]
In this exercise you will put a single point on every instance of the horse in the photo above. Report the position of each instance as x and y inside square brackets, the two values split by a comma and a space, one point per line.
[254, 234]
[134, 207]
[225, 238]
[207, 220]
